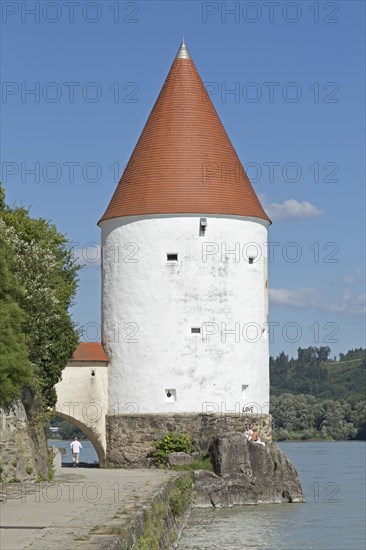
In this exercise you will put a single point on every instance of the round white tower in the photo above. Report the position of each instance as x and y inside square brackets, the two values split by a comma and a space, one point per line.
[184, 274]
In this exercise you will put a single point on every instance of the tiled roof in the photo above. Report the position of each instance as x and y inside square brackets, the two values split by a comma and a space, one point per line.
[184, 161]
[90, 351]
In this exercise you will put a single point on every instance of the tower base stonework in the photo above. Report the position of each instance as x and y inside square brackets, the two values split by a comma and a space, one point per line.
[130, 437]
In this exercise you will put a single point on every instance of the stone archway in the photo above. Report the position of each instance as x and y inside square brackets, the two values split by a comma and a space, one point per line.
[82, 399]
[90, 434]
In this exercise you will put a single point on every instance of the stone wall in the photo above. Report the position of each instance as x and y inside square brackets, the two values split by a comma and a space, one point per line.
[130, 437]
[23, 445]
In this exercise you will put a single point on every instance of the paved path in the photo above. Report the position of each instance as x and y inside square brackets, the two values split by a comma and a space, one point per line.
[55, 515]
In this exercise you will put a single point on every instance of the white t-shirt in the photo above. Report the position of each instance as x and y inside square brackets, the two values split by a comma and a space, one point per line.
[76, 446]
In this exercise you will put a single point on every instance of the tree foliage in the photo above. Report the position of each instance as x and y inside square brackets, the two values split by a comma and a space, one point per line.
[43, 265]
[305, 417]
[15, 368]
[66, 429]
[314, 397]
[313, 373]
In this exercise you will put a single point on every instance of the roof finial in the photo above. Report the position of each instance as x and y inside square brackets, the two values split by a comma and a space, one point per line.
[183, 52]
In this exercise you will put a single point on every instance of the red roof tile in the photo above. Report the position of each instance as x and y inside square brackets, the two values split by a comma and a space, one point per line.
[90, 351]
[184, 161]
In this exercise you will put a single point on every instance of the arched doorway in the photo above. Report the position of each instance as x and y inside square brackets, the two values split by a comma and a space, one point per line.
[89, 433]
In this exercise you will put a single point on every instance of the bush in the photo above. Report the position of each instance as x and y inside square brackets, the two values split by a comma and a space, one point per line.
[173, 442]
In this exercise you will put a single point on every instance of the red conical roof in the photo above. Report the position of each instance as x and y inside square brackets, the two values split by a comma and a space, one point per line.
[184, 161]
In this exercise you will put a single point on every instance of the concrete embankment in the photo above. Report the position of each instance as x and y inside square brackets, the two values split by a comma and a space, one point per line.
[95, 509]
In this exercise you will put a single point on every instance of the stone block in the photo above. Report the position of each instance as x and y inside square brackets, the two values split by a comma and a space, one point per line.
[177, 459]
[56, 465]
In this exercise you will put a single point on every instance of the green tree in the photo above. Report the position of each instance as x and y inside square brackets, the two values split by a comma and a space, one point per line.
[335, 420]
[323, 353]
[358, 417]
[44, 266]
[14, 363]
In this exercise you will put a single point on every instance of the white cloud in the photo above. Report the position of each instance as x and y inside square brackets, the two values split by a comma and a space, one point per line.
[349, 304]
[314, 298]
[290, 209]
[356, 277]
[298, 298]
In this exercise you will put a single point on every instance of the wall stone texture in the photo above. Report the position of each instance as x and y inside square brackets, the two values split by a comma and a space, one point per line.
[23, 445]
[130, 437]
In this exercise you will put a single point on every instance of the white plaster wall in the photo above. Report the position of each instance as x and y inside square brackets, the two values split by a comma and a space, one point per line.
[148, 299]
[84, 398]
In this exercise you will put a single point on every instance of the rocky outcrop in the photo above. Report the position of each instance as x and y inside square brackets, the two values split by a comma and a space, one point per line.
[246, 473]
[23, 446]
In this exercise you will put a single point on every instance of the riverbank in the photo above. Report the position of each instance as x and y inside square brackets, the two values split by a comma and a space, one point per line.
[92, 508]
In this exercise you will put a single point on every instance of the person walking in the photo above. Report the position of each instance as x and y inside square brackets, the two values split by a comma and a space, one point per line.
[75, 449]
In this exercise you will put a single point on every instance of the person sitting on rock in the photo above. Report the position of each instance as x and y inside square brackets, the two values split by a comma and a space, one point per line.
[248, 433]
[256, 439]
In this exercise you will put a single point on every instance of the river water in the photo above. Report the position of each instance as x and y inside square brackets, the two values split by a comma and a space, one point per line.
[332, 476]
[87, 454]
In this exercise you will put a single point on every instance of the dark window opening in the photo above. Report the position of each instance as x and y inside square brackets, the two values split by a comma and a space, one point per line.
[251, 260]
[203, 226]
[172, 257]
[195, 330]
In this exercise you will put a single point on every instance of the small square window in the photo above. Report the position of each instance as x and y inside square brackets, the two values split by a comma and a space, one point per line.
[196, 330]
[170, 396]
[172, 257]
[243, 388]
[251, 260]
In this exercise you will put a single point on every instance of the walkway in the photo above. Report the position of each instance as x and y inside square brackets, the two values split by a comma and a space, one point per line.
[55, 515]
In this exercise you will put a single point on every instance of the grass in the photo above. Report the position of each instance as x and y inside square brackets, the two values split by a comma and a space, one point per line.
[180, 497]
[115, 530]
[14, 479]
[153, 529]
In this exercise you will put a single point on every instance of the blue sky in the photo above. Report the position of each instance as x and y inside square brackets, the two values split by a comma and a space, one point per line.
[296, 119]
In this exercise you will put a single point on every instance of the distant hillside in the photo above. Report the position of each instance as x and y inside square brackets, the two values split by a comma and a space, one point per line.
[315, 397]
[313, 373]
[347, 377]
